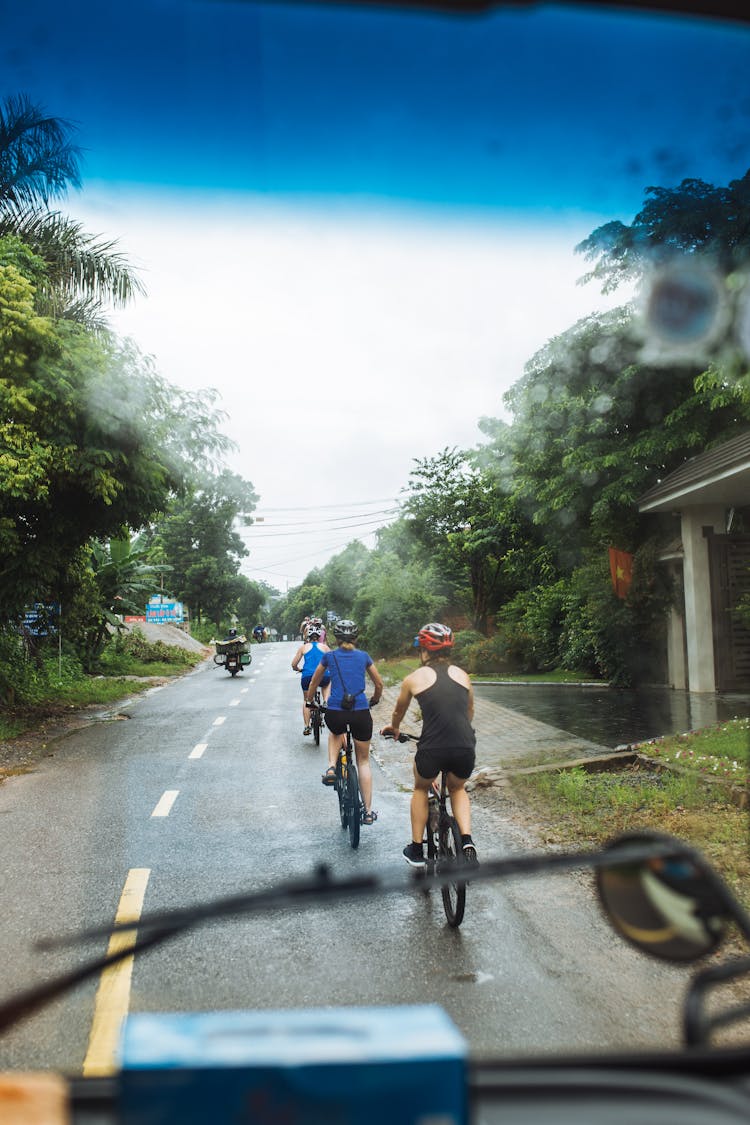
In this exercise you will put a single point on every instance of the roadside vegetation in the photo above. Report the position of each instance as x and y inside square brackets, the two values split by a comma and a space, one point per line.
[690, 786]
[55, 686]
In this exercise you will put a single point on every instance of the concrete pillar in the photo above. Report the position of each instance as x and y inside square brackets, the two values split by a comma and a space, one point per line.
[696, 523]
[676, 666]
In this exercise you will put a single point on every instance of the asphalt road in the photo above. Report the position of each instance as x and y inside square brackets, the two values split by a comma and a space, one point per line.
[533, 968]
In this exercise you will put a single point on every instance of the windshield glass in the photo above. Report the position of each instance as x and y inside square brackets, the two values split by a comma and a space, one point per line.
[409, 250]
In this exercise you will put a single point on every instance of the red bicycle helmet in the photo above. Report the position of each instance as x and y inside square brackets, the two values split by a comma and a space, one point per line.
[435, 636]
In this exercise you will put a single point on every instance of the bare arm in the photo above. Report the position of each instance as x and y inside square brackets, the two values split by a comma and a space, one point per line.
[470, 711]
[297, 658]
[374, 675]
[400, 709]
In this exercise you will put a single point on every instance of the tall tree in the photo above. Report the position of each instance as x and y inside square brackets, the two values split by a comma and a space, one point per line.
[477, 539]
[38, 162]
[92, 440]
[198, 538]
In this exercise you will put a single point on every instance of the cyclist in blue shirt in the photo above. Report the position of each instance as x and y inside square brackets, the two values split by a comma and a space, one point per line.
[349, 706]
[310, 653]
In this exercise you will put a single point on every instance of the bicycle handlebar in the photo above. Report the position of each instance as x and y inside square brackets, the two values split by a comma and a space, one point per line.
[403, 736]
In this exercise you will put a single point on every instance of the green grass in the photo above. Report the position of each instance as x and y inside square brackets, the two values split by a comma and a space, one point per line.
[393, 671]
[679, 794]
[721, 752]
[558, 676]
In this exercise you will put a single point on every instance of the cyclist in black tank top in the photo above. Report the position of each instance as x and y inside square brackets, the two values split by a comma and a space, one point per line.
[447, 743]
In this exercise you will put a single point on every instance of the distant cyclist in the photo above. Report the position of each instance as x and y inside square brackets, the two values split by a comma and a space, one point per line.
[447, 743]
[348, 706]
[317, 623]
[310, 653]
[259, 633]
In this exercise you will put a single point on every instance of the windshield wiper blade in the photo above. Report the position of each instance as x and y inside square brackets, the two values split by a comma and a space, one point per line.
[319, 889]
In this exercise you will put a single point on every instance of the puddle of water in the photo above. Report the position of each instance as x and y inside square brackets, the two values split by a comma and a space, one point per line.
[611, 717]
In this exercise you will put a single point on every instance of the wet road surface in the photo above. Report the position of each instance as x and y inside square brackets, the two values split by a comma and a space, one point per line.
[210, 788]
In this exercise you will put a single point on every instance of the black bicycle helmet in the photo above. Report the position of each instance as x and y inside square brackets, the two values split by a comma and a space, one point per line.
[345, 631]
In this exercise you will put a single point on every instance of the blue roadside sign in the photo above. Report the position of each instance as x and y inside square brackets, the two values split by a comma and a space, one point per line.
[41, 619]
[160, 611]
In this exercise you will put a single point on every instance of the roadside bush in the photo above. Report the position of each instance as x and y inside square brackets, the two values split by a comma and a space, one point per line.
[134, 646]
[489, 655]
[465, 641]
[531, 627]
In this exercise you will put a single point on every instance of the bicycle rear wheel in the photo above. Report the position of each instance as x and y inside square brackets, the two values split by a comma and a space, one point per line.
[353, 805]
[315, 724]
[454, 894]
[341, 790]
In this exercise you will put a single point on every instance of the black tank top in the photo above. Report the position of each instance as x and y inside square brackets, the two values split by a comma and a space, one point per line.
[445, 714]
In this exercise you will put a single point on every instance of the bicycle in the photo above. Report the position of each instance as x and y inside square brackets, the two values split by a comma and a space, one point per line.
[444, 849]
[346, 784]
[316, 719]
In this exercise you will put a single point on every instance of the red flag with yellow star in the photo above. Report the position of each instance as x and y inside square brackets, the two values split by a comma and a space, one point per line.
[621, 569]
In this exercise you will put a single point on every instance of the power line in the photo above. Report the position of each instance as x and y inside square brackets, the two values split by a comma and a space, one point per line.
[314, 523]
[327, 531]
[344, 504]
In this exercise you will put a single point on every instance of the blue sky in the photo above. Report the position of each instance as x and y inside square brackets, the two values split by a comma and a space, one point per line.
[520, 109]
[358, 225]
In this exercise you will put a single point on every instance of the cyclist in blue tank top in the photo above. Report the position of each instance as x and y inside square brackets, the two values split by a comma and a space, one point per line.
[349, 706]
[310, 654]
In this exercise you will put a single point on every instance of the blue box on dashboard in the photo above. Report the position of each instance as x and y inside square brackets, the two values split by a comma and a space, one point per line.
[328, 1066]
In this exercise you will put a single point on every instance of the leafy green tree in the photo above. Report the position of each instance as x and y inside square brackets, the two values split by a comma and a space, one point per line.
[199, 540]
[594, 425]
[395, 601]
[308, 599]
[474, 534]
[38, 161]
[694, 218]
[251, 601]
[92, 440]
[122, 583]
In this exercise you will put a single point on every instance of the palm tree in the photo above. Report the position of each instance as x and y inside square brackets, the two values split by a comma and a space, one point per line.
[38, 162]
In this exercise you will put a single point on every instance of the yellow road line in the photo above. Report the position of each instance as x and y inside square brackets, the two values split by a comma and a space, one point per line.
[113, 994]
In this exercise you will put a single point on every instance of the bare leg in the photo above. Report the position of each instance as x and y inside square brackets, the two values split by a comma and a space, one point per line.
[460, 803]
[419, 807]
[335, 742]
[362, 751]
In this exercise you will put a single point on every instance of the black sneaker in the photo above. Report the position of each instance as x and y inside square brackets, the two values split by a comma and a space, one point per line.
[470, 855]
[414, 855]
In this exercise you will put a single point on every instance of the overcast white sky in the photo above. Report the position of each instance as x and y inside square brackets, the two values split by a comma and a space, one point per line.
[343, 344]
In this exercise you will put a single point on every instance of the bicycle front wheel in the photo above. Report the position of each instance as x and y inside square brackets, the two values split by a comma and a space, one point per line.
[353, 805]
[454, 894]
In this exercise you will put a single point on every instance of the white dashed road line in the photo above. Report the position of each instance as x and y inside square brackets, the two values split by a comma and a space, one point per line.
[198, 750]
[165, 803]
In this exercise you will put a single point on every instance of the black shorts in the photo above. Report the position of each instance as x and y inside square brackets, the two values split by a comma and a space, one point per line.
[430, 763]
[305, 682]
[359, 723]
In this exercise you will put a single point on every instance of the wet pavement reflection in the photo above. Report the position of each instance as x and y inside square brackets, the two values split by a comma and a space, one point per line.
[612, 717]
